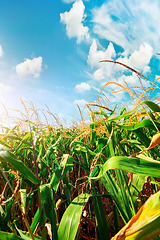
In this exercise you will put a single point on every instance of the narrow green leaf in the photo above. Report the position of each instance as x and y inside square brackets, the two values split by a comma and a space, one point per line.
[138, 182]
[134, 165]
[115, 217]
[5, 216]
[103, 231]
[116, 194]
[11, 136]
[65, 165]
[125, 193]
[71, 218]
[9, 236]
[56, 178]
[35, 221]
[49, 207]
[144, 123]
[41, 220]
[5, 154]
[4, 143]
[146, 140]
[26, 235]
[23, 200]
[145, 225]
[154, 107]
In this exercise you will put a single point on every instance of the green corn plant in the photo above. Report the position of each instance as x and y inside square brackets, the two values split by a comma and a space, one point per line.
[145, 224]
[100, 169]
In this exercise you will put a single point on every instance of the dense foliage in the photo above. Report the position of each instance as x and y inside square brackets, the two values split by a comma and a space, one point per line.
[83, 182]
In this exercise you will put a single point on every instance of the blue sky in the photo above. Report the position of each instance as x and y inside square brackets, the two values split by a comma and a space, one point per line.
[50, 51]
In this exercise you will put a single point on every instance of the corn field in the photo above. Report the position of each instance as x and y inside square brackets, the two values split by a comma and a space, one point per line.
[94, 181]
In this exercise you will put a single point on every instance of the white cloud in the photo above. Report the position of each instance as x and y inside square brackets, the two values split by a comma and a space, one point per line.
[95, 56]
[131, 80]
[73, 20]
[146, 69]
[80, 103]
[110, 72]
[106, 28]
[1, 51]
[128, 23]
[132, 25]
[99, 74]
[125, 53]
[30, 67]
[139, 59]
[5, 88]
[82, 87]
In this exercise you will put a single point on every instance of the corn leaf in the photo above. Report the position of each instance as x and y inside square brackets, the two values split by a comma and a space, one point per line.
[103, 231]
[134, 165]
[6, 155]
[26, 235]
[49, 207]
[23, 200]
[9, 236]
[145, 225]
[71, 218]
